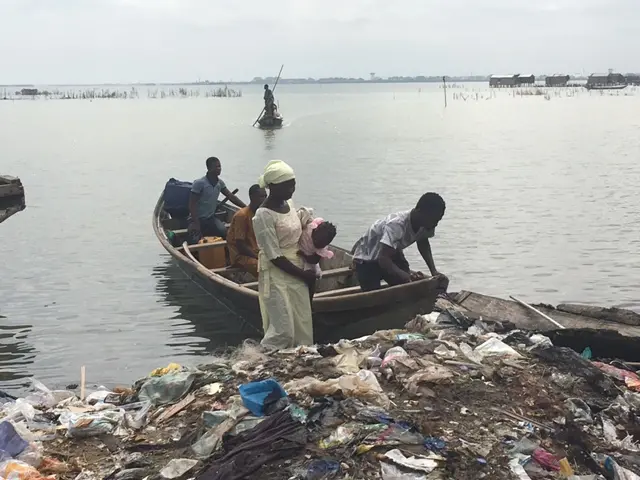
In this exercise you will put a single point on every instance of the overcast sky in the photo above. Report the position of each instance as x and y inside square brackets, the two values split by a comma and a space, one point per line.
[92, 41]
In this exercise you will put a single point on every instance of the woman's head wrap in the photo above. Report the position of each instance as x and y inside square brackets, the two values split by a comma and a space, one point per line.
[276, 172]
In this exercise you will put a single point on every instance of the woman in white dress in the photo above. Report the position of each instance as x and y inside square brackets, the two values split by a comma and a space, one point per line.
[283, 283]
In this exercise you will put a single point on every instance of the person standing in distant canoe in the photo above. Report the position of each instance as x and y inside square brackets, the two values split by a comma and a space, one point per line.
[283, 284]
[378, 254]
[269, 100]
[203, 203]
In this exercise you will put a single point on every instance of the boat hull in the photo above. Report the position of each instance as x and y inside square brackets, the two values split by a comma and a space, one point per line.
[268, 122]
[346, 315]
[605, 87]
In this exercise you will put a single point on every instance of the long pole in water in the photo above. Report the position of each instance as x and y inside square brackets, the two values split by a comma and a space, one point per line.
[273, 90]
[444, 83]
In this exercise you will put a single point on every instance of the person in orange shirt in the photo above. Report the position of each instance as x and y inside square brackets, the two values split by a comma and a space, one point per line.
[241, 240]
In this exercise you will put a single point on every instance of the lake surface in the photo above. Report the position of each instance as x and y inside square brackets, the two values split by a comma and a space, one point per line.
[541, 199]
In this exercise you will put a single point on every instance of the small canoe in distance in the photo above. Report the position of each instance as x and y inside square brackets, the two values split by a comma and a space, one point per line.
[340, 308]
[268, 122]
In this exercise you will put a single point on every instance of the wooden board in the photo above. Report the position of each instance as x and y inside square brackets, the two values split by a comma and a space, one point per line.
[203, 246]
[506, 310]
[11, 190]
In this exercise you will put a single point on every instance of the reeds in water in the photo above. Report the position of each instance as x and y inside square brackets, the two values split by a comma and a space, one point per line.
[122, 94]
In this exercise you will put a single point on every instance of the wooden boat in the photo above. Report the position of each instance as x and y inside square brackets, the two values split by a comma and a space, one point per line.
[11, 197]
[269, 122]
[506, 310]
[619, 86]
[340, 308]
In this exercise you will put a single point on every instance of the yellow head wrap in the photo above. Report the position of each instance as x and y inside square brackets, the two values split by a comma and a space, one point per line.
[276, 172]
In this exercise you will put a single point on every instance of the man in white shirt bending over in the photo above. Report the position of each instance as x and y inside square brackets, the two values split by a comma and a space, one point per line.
[378, 253]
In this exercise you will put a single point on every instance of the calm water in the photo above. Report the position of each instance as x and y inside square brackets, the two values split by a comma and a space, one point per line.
[541, 202]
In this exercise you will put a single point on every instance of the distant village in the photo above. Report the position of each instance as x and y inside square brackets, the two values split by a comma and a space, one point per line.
[595, 80]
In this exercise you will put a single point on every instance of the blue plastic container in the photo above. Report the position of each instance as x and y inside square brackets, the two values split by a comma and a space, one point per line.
[254, 394]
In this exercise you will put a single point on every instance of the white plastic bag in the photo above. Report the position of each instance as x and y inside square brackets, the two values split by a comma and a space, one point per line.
[19, 410]
[393, 354]
[177, 467]
[364, 385]
[91, 425]
[421, 463]
[494, 347]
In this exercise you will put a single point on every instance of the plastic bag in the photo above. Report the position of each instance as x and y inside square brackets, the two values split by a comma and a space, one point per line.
[431, 374]
[17, 470]
[166, 389]
[524, 446]
[19, 410]
[470, 354]
[98, 396]
[615, 471]
[177, 467]
[349, 358]
[91, 425]
[420, 463]
[322, 469]
[347, 433]
[630, 378]
[398, 433]
[139, 419]
[494, 347]
[579, 411]
[539, 340]
[443, 352]
[392, 354]
[171, 368]
[609, 431]
[32, 455]
[212, 439]
[391, 472]
[245, 424]
[546, 459]
[213, 419]
[364, 385]
[516, 467]
[11, 442]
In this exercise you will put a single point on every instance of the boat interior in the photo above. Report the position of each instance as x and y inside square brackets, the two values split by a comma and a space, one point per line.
[338, 277]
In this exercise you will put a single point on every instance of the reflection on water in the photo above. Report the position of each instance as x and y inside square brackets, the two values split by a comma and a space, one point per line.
[212, 320]
[531, 211]
[16, 355]
[269, 140]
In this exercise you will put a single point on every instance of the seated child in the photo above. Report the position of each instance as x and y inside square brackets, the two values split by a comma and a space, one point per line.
[316, 237]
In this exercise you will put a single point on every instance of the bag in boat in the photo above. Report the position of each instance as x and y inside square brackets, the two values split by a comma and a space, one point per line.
[176, 198]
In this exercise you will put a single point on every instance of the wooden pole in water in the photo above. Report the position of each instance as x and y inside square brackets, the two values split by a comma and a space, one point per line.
[546, 317]
[273, 90]
[444, 84]
[83, 381]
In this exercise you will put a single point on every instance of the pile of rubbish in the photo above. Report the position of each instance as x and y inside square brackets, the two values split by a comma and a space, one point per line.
[445, 398]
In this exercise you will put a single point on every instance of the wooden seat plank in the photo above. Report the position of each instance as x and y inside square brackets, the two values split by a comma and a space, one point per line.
[328, 273]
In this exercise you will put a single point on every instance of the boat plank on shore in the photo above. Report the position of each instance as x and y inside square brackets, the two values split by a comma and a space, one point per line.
[340, 308]
[522, 317]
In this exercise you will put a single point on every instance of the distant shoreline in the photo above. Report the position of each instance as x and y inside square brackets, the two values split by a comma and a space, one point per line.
[282, 81]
